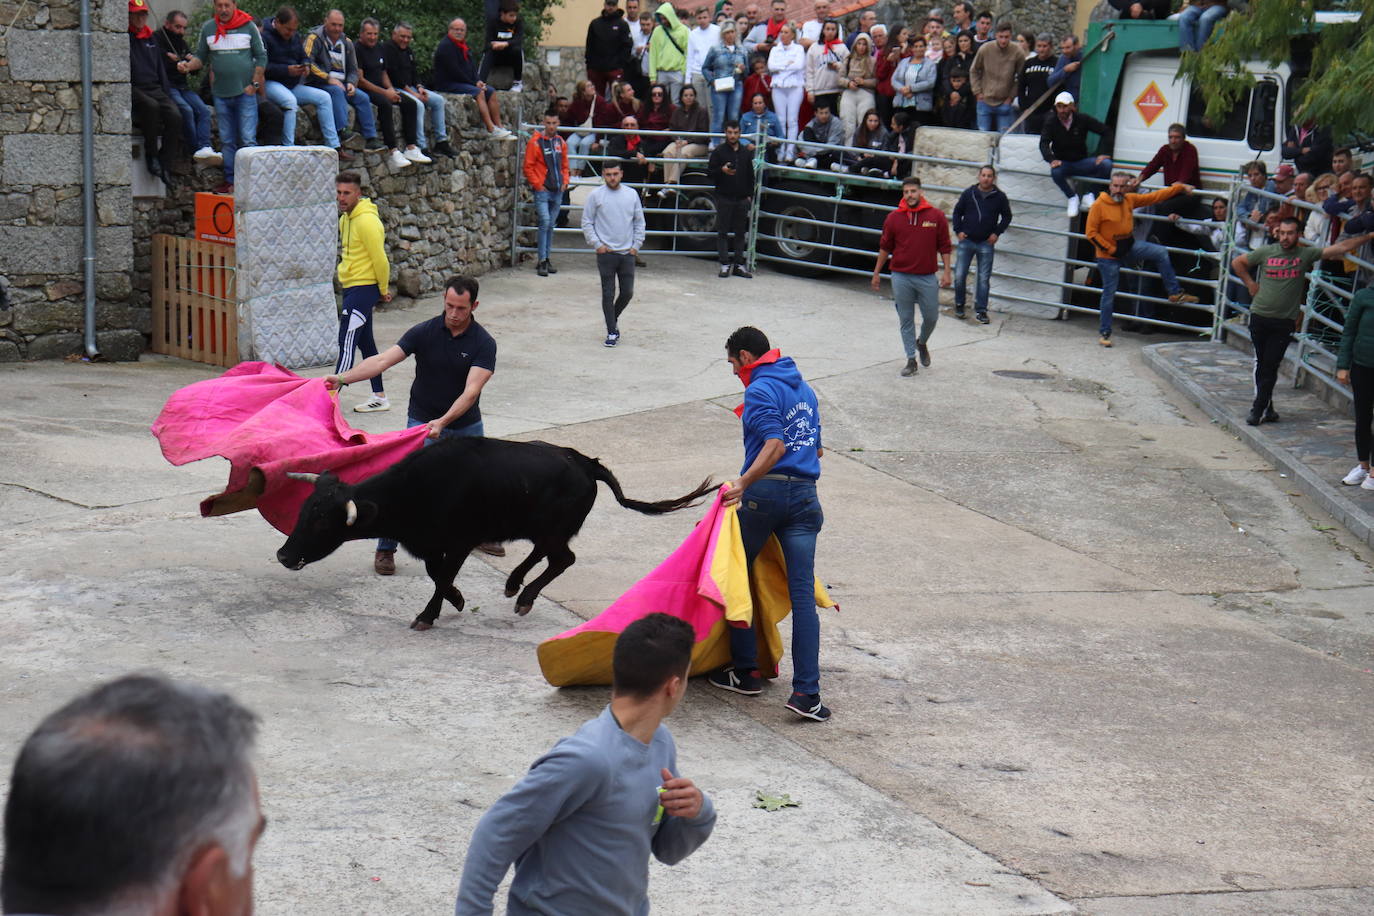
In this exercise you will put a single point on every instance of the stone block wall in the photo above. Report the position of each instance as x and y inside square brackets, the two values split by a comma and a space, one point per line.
[1034, 16]
[572, 66]
[41, 281]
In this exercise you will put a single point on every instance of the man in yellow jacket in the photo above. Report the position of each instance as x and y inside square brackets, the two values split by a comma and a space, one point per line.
[364, 273]
[1111, 222]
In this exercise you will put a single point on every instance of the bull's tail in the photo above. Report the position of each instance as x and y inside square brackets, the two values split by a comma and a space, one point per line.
[603, 474]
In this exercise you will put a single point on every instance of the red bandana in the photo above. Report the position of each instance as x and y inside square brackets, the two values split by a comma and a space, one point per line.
[462, 46]
[775, 27]
[239, 18]
[631, 143]
[144, 33]
[745, 372]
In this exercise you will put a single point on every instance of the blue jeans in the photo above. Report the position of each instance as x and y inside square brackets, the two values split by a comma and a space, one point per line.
[790, 510]
[907, 291]
[725, 107]
[546, 205]
[435, 106]
[1088, 167]
[340, 100]
[995, 117]
[195, 118]
[1110, 270]
[290, 100]
[472, 429]
[238, 127]
[1195, 25]
[579, 146]
[968, 248]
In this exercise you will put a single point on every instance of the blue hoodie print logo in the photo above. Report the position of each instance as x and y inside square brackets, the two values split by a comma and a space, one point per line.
[801, 427]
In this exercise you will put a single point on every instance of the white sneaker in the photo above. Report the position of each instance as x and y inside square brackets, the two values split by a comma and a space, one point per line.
[517, 86]
[1368, 483]
[1072, 208]
[207, 154]
[836, 167]
[1088, 200]
[378, 403]
[397, 160]
[1357, 476]
[414, 154]
[500, 133]
[811, 162]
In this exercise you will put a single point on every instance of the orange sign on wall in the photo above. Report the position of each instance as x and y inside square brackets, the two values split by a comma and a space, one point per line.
[215, 217]
[1151, 103]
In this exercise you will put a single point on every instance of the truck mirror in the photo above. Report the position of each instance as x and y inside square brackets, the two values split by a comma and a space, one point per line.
[1259, 134]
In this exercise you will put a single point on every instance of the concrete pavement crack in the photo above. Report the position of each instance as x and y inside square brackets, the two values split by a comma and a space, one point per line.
[80, 505]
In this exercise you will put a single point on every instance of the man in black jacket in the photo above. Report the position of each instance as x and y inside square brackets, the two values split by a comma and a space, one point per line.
[608, 47]
[504, 47]
[195, 114]
[1064, 145]
[400, 69]
[455, 72]
[1035, 82]
[982, 214]
[1309, 146]
[151, 94]
[731, 167]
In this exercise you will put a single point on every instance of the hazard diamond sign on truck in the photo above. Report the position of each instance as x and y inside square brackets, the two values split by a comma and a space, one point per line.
[1151, 103]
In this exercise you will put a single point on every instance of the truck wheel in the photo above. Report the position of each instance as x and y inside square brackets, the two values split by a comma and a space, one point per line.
[795, 240]
[696, 196]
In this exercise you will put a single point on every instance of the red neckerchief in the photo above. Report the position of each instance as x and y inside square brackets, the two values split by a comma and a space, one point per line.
[631, 143]
[831, 44]
[144, 33]
[462, 46]
[774, 27]
[745, 372]
[239, 18]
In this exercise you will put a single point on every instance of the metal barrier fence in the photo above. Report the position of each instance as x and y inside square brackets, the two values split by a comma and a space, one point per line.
[826, 222]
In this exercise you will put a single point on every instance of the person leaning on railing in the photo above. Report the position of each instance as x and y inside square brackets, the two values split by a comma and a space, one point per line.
[1355, 367]
[689, 125]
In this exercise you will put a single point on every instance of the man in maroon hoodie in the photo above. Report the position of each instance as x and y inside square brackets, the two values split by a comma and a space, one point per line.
[912, 235]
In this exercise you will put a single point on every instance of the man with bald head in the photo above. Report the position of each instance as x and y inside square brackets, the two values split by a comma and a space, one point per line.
[455, 71]
[333, 63]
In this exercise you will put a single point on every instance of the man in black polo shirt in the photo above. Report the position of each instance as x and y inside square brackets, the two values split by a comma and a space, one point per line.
[454, 358]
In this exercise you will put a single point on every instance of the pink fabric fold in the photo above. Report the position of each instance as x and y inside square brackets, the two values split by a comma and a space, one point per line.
[267, 421]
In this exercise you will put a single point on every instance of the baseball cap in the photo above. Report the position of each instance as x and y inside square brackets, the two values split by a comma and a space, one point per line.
[138, 6]
[1285, 171]
[1064, 98]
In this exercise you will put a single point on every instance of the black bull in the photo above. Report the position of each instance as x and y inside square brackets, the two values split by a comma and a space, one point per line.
[441, 502]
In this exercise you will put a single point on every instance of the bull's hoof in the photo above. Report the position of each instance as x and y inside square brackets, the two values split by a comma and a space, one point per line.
[418, 624]
[455, 597]
[511, 590]
[523, 609]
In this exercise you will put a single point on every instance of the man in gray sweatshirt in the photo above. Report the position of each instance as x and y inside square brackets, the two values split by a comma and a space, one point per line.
[613, 224]
[581, 824]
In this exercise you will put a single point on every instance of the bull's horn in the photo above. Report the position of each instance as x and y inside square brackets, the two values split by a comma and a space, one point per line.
[308, 478]
[350, 513]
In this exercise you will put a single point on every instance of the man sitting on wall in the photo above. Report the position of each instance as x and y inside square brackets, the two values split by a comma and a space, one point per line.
[455, 71]
[333, 63]
[154, 111]
[400, 67]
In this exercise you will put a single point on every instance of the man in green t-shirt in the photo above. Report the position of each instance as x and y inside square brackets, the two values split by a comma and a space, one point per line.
[1276, 309]
[232, 44]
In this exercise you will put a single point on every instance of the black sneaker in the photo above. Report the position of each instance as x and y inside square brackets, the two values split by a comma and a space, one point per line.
[742, 272]
[443, 149]
[910, 368]
[374, 143]
[808, 706]
[724, 271]
[959, 311]
[749, 683]
[542, 269]
[983, 318]
[1270, 414]
[612, 340]
[548, 265]
[1254, 418]
[924, 353]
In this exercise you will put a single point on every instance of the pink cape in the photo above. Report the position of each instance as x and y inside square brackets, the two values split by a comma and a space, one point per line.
[267, 421]
[706, 582]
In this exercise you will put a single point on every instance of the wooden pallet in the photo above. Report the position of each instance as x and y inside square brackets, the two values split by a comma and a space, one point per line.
[195, 311]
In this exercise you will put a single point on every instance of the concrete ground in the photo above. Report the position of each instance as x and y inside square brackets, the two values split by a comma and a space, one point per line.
[1093, 655]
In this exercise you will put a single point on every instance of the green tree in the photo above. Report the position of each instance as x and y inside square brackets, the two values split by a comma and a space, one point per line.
[1339, 91]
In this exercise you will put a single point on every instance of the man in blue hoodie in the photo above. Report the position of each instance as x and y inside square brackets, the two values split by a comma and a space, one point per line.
[776, 495]
[982, 214]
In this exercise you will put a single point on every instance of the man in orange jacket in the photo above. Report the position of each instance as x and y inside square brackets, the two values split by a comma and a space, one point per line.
[1110, 224]
[546, 169]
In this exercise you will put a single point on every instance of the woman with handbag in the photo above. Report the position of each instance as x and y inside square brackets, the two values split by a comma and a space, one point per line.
[587, 110]
[724, 69]
[787, 63]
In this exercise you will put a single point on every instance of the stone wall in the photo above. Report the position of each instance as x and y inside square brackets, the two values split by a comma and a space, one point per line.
[41, 288]
[1034, 16]
[572, 66]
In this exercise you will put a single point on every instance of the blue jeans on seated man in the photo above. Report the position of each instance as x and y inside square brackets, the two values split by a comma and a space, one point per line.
[238, 127]
[434, 104]
[1110, 271]
[1085, 168]
[472, 429]
[340, 100]
[790, 510]
[967, 250]
[290, 100]
[195, 118]
[995, 117]
[1195, 25]
[546, 206]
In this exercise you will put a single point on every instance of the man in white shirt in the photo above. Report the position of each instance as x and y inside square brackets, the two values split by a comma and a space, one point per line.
[704, 36]
[638, 71]
[811, 29]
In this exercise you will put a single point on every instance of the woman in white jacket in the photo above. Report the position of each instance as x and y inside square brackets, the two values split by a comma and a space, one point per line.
[825, 66]
[787, 64]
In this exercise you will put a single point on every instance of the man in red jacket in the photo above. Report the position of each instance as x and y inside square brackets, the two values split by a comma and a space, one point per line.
[1178, 160]
[912, 235]
[546, 169]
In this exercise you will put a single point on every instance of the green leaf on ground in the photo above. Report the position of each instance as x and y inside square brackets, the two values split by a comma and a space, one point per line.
[774, 802]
